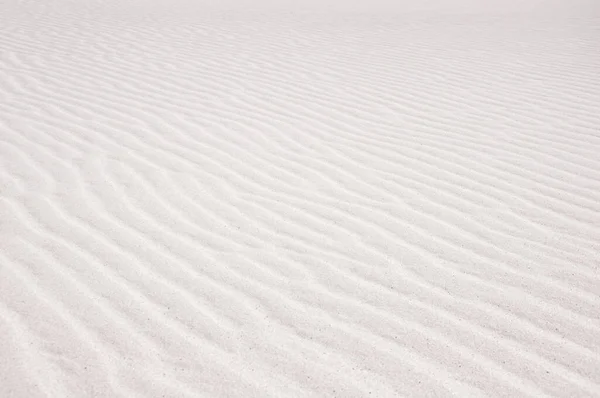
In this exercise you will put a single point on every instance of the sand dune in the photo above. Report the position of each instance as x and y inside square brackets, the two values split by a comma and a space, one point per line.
[312, 198]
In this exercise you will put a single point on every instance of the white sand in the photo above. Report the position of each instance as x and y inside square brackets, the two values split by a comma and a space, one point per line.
[299, 198]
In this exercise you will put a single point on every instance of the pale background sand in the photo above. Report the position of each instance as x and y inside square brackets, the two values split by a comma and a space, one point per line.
[299, 198]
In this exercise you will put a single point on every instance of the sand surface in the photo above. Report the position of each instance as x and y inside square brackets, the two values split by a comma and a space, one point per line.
[299, 198]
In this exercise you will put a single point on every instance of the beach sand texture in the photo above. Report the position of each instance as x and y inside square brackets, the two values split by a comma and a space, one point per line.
[299, 199]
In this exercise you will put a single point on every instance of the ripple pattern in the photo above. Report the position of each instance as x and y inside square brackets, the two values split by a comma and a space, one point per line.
[202, 200]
